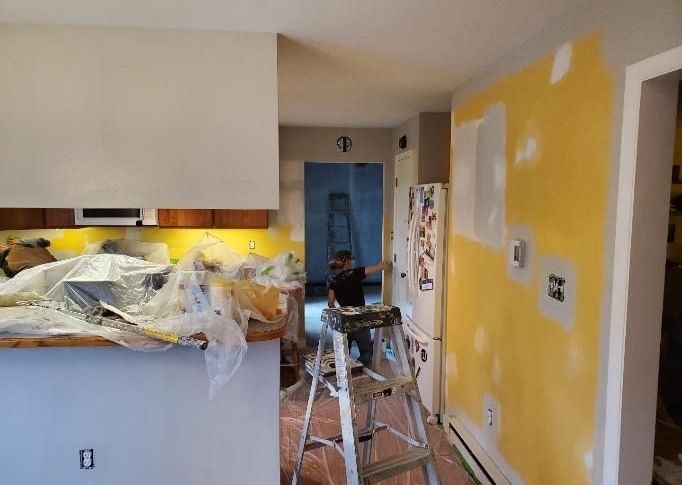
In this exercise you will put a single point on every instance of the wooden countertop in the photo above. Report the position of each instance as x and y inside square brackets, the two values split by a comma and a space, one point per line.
[258, 332]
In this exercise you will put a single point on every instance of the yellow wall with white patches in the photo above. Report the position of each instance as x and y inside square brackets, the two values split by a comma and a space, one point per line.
[543, 376]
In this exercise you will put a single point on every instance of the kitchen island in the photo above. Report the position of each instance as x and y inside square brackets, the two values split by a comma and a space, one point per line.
[146, 415]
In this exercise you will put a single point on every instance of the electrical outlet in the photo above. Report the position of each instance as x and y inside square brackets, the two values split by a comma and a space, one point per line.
[252, 245]
[87, 458]
[490, 417]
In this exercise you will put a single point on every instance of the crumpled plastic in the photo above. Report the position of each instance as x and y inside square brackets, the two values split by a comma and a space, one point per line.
[201, 294]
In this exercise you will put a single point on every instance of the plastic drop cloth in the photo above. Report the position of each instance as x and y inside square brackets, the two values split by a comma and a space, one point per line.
[145, 293]
[325, 466]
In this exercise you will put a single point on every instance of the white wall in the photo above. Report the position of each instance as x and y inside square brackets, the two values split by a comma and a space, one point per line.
[147, 416]
[124, 117]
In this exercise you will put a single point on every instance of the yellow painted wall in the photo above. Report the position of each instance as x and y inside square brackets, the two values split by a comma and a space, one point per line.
[543, 376]
[69, 242]
[269, 242]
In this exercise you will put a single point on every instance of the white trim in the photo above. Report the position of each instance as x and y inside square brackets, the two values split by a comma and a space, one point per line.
[635, 75]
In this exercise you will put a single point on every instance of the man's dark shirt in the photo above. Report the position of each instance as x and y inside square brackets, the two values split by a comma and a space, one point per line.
[347, 286]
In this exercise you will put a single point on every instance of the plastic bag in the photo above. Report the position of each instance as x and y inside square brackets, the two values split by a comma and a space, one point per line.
[285, 271]
[211, 254]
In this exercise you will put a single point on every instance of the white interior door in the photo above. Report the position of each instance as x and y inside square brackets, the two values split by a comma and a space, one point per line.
[405, 177]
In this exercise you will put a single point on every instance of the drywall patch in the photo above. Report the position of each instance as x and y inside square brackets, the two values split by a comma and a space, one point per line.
[491, 421]
[562, 62]
[522, 274]
[563, 312]
[463, 197]
[491, 172]
[480, 340]
[527, 151]
[588, 459]
[291, 213]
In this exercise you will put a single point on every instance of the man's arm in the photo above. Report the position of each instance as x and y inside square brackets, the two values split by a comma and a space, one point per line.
[331, 298]
[384, 265]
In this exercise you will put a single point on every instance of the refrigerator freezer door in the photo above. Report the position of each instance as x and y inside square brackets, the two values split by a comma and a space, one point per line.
[425, 353]
[426, 252]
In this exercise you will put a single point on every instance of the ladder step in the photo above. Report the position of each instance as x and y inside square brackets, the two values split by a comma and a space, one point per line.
[395, 465]
[363, 435]
[388, 387]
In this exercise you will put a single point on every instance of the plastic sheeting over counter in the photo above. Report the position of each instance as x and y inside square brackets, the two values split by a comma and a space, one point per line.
[202, 294]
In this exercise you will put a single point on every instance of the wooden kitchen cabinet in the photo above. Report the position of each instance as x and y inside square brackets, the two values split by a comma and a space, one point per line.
[240, 219]
[200, 218]
[13, 218]
[60, 218]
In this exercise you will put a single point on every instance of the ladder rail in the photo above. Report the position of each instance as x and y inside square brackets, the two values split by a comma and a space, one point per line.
[347, 408]
[309, 408]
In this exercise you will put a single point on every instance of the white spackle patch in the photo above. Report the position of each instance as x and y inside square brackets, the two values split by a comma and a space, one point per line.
[491, 433]
[588, 459]
[480, 340]
[451, 369]
[562, 62]
[491, 176]
[497, 370]
[527, 152]
[291, 213]
[463, 197]
[573, 359]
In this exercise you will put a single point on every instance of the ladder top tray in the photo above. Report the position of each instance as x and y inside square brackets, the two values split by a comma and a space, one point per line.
[350, 319]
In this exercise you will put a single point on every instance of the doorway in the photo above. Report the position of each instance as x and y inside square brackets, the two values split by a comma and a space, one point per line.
[642, 222]
[343, 210]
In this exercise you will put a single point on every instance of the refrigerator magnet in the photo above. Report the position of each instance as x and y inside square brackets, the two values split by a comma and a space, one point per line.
[426, 284]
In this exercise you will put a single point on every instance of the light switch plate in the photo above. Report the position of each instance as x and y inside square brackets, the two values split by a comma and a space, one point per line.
[517, 253]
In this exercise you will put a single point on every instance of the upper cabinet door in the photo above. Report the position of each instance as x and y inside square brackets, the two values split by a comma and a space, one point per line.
[128, 117]
[240, 219]
[22, 219]
[60, 218]
[199, 218]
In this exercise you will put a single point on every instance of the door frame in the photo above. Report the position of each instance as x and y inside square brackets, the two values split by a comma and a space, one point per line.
[633, 367]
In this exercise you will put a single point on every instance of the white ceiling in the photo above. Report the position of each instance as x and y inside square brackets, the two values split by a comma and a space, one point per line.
[355, 63]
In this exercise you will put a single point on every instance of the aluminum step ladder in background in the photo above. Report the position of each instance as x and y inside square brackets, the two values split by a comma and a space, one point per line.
[338, 224]
[333, 369]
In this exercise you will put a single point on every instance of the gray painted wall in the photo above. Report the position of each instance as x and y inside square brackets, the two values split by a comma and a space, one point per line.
[428, 134]
[364, 184]
[146, 414]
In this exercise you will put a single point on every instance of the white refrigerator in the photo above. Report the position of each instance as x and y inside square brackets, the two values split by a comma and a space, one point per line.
[423, 307]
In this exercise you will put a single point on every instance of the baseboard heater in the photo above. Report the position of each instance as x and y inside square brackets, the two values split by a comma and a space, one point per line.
[483, 467]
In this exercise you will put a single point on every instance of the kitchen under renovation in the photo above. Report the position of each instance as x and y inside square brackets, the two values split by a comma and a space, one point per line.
[301, 243]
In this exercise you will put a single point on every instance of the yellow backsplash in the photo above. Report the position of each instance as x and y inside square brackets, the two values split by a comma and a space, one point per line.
[72, 242]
